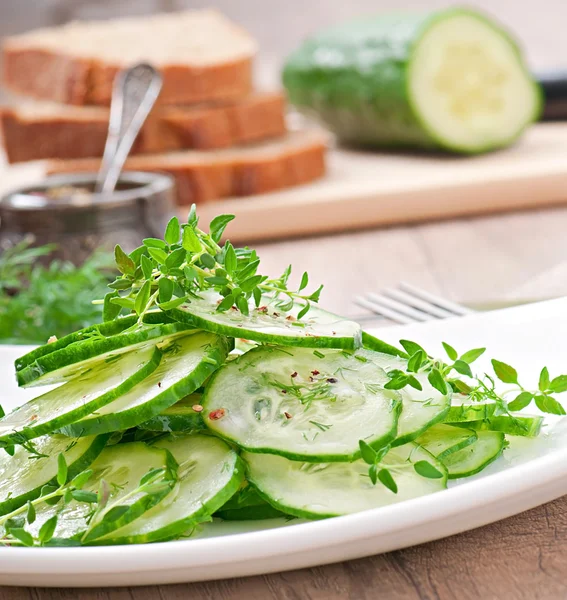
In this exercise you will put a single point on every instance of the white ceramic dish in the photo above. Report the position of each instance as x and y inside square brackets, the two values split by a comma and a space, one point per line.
[529, 474]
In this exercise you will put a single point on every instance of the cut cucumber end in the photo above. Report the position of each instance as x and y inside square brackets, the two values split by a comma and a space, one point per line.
[469, 85]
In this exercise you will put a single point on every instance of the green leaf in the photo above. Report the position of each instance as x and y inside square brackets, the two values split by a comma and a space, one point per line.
[47, 530]
[176, 258]
[367, 453]
[436, 380]
[115, 513]
[387, 480]
[124, 302]
[14, 523]
[451, 352]
[414, 383]
[79, 480]
[504, 372]
[462, 367]
[103, 494]
[173, 303]
[543, 380]
[558, 384]
[249, 270]
[24, 536]
[214, 280]
[316, 294]
[249, 284]
[152, 475]
[373, 473]
[30, 513]
[120, 284]
[411, 347]
[154, 243]
[397, 383]
[304, 282]
[165, 287]
[218, 225]
[426, 469]
[226, 303]
[242, 305]
[415, 361]
[159, 255]
[257, 293]
[381, 453]
[62, 470]
[192, 217]
[304, 310]
[47, 489]
[548, 404]
[230, 260]
[110, 310]
[124, 263]
[172, 231]
[521, 401]
[471, 355]
[84, 496]
[143, 297]
[208, 261]
[461, 386]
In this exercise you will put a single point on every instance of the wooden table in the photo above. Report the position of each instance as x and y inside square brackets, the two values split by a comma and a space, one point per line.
[524, 557]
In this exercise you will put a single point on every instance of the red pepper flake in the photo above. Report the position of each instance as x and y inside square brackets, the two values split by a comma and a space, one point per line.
[233, 307]
[315, 372]
[217, 414]
[33, 418]
[197, 408]
[334, 333]
[294, 374]
[52, 339]
[159, 384]
[276, 314]
[284, 391]
[290, 318]
[263, 309]
[311, 378]
[332, 380]
[287, 415]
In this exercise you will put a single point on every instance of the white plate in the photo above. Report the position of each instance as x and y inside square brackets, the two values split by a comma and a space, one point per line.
[531, 473]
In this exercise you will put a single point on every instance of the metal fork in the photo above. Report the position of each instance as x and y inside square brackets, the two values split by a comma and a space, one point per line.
[409, 304]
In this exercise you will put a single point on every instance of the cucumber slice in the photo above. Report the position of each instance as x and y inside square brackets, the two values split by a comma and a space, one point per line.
[269, 324]
[317, 491]
[373, 343]
[186, 363]
[511, 424]
[248, 505]
[179, 418]
[302, 404]
[475, 457]
[468, 411]
[81, 396]
[442, 440]
[23, 477]
[121, 467]
[209, 474]
[44, 366]
[450, 80]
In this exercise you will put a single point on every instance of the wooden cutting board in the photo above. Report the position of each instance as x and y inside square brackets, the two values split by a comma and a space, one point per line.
[369, 189]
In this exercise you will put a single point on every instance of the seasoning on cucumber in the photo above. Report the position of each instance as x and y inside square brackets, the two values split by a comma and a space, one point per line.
[449, 80]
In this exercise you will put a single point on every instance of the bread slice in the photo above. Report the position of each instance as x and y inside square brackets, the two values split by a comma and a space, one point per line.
[38, 131]
[297, 158]
[201, 55]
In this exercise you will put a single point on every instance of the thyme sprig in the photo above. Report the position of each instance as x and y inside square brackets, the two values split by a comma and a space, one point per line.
[166, 273]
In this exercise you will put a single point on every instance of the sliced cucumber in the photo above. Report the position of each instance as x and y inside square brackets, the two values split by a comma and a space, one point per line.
[121, 467]
[463, 410]
[79, 397]
[23, 476]
[303, 404]
[511, 424]
[248, 505]
[269, 324]
[321, 490]
[179, 418]
[209, 474]
[475, 457]
[373, 343]
[44, 366]
[449, 79]
[186, 363]
[442, 440]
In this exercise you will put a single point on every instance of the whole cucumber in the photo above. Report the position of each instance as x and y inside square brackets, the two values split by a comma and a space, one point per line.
[450, 80]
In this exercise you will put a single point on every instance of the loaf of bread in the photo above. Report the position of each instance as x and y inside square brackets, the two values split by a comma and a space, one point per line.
[38, 131]
[297, 158]
[202, 57]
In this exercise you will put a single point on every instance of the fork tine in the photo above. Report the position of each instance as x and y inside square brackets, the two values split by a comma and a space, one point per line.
[385, 312]
[427, 307]
[404, 309]
[452, 307]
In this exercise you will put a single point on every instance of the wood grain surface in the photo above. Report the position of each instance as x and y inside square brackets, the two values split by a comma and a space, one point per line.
[521, 558]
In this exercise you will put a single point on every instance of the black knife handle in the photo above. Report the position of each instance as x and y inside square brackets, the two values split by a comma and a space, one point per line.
[554, 86]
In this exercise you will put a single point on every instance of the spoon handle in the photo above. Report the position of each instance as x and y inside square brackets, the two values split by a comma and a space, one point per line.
[134, 93]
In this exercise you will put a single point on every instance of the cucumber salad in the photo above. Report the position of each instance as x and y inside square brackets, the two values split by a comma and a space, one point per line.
[210, 391]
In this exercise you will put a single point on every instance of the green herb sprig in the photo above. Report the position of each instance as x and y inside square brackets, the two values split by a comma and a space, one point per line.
[165, 273]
